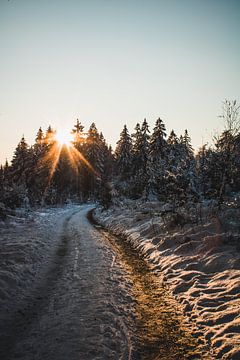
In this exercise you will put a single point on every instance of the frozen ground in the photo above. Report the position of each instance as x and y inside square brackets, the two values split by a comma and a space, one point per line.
[62, 295]
[200, 263]
[27, 243]
[72, 291]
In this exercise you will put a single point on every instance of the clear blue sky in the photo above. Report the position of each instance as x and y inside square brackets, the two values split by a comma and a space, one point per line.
[116, 62]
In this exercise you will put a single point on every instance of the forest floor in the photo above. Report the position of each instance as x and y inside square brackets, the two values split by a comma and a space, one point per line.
[198, 261]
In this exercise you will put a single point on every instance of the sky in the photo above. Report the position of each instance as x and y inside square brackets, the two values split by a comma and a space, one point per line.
[115, 63]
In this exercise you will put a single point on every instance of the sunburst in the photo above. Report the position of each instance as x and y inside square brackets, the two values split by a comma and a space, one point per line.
[57, 142]
[63, 137]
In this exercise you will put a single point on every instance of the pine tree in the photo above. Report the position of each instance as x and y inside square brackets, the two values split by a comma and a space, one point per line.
[8, 197]
[62, 181]
[209, 172]
[106, 177]
[157, 140]
[144, 148]
[157, 161]
[123, 155]
[140, 159]
[172, 139]
[20, 163]
[187, 169]
[94, 157]
[136, 149]
[21, 172]
[174, 152]
[39, 140]
[7, 173]
[40, 167]
[186, 145]
[50, 135]
[79, 145]
[78, 138]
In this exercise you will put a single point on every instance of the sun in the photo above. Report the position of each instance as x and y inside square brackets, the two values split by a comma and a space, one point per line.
[63, 137]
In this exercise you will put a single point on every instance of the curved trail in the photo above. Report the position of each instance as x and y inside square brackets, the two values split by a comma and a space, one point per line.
[94, 300]
[79, 309]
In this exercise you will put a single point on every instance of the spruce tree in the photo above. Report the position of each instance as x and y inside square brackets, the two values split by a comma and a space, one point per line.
[140, 159]
[187, 169]
[123, 155]
[21, 171]
[106, 177]
[20, 163]
[50, 136]
[94, 157]
[78, 138]
[79, 145]
[40, 168]
[201, 167]
[157, 161]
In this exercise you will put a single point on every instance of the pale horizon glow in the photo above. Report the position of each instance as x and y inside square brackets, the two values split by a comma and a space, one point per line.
[115, 63]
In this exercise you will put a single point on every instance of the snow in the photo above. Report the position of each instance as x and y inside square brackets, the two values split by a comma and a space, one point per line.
[66, 295]
[26, 243]
[199, 262]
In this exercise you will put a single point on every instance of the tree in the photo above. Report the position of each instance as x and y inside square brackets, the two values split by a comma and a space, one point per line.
[78, 138]
[106, 176]
[95, 160]
[231, 116]
[172, 139]
[40, 166]
[187, 168]
[62, 181]
[123, 155]
[157, 160]
[50, 135]
[79, 145]
[21, 172]
[140, 158]
[228, 148]
[20, 163]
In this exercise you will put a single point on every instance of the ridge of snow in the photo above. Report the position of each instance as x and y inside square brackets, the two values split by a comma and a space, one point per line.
[199, 264]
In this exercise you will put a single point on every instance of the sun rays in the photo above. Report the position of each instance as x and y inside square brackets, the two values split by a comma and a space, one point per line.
[59, 143]
[63, 137]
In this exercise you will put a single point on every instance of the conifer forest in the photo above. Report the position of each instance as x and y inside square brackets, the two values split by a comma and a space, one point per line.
[145, 164]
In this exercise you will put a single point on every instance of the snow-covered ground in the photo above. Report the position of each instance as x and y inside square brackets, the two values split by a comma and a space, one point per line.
[199, 262]
[27, 242]
[64, 294]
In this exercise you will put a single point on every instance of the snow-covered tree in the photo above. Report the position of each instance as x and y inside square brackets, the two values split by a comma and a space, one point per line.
[94, 156]
[140, 159]
[20, 169]
[187, 168]
[123, 154]
[157, 160]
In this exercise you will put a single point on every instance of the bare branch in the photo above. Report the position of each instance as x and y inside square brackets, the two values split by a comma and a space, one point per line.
[231, 116]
